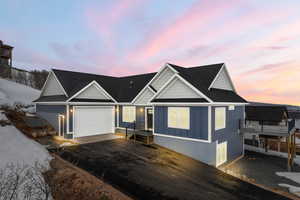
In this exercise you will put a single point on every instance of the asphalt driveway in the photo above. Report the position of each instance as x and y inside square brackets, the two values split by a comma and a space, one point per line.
[151, 172]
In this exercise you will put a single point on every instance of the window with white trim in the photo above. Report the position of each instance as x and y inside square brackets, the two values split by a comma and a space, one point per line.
[128, 113]
[179, 117]
[220, 118]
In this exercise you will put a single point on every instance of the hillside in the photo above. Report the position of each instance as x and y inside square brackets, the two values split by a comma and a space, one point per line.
[12, 92]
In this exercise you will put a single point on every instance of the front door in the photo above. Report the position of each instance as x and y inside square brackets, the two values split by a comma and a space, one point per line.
[149, 119]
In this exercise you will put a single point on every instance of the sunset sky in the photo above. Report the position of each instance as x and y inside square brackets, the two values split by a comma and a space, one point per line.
[258, 40]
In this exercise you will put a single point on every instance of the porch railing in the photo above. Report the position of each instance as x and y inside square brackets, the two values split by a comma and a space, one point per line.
[262, 127]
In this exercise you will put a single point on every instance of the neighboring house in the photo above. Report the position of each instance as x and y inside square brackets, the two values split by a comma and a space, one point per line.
[296, 116]
[267, 121]
[195, 111]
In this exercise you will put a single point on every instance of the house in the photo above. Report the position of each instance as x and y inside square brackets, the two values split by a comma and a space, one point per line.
[194, 111]
[5, 59]
[296, 116]
[270, 127]
[266, 120]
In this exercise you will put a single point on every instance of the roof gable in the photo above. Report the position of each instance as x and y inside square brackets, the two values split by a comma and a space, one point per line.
[164, 75]
[144, 97]
[222, 80]
[52, 86]
[92, 91]
[201, 77]
[177, 89]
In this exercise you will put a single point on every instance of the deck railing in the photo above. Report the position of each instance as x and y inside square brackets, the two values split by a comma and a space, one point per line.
[264, 127]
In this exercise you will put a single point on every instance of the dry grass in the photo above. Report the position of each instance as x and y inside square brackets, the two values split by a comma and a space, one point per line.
[71, 183]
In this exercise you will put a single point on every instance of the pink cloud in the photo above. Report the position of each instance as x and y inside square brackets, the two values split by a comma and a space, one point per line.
[274, 83]
[198, 16]
[103, 22]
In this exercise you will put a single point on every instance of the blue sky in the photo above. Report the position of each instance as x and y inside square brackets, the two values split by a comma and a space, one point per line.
[259, 41]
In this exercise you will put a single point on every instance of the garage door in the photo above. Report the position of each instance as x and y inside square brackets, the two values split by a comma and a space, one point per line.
[93, 121]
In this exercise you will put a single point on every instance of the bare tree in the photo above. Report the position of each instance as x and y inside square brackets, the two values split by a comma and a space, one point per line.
[39, 77]
[23, 182]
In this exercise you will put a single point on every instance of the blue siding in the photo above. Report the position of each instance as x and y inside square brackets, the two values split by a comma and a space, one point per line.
[204, 152]
[231, 132]
[140, 118]
[50, 113]
[198, 123]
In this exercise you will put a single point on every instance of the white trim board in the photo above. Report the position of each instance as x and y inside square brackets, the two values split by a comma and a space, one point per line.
[181, 138]
[209, 124]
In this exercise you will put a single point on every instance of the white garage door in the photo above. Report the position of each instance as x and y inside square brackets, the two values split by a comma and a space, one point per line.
[93, 121]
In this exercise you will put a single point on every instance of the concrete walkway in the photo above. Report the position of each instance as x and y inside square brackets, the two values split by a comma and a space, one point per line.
[97, 138]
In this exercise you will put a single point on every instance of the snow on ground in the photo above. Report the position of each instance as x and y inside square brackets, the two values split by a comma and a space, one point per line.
[17, 148]
[270, 152]
[12, 92]
[294, 176]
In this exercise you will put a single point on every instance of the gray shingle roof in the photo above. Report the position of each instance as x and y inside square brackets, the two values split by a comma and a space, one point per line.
[122, 89]
[125, 89]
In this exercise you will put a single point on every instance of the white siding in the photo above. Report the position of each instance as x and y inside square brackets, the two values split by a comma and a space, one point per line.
[162, 78]
[222, 81]
[177, 89]
[52, 87]
[92, 92]
[144, 98]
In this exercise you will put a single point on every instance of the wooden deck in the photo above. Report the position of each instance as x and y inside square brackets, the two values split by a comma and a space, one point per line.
[137, 135]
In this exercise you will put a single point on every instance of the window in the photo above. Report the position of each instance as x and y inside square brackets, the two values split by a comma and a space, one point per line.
[179, 117]
[220, 118]
[128, 113]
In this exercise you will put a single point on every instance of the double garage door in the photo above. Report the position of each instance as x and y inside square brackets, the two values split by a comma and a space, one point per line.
[93, 120]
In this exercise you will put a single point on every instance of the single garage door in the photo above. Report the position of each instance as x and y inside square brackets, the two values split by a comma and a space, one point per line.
[93, 120]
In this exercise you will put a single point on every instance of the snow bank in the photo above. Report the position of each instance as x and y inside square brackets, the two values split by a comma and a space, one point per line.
[12, 92]
[17, 148]
[270, 152]
[294, 176]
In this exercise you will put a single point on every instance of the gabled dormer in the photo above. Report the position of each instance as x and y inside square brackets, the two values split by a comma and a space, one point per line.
[162, 76]
[222, 80]
[156, 83]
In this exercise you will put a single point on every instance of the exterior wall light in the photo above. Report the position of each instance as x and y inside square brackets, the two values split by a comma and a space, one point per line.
[141, 109]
